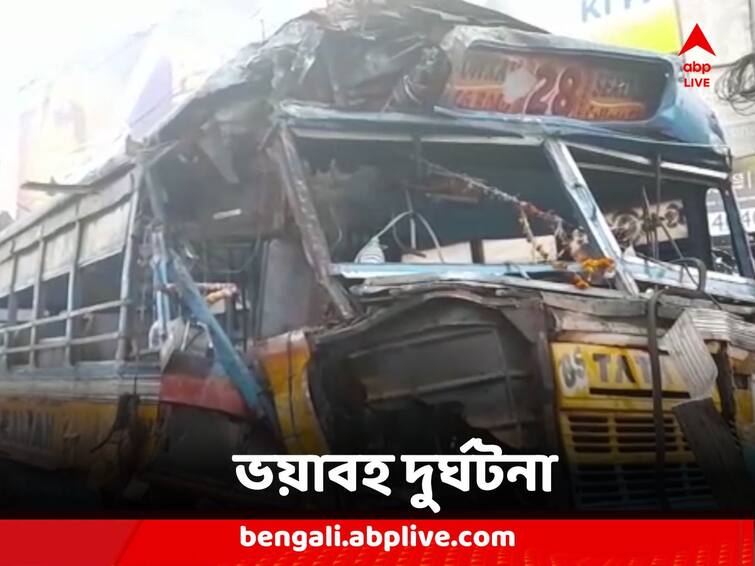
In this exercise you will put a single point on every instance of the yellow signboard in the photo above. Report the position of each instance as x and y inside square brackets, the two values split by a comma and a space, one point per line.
[652, 25]
[641, 24]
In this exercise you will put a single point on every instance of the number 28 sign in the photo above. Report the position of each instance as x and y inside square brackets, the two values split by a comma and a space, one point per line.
[584, 87]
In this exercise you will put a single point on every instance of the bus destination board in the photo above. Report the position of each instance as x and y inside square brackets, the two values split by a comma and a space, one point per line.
[583, 87]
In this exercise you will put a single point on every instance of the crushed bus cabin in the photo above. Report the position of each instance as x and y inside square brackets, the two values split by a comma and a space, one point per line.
[389, 231]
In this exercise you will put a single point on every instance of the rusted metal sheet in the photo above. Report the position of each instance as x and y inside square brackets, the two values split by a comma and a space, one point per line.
[104, 234]
[684, 342]
[718, 453]
[26, 267]
[457, 362]
[714, 324]
[59, 253]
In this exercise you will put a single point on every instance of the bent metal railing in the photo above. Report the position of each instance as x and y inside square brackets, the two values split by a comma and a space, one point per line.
[36, 344]
[12, 331]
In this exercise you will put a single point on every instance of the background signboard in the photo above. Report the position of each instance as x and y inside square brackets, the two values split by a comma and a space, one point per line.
[644, 24]
[743, 183]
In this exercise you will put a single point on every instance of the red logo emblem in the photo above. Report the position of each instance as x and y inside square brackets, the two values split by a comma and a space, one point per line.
[697, 39]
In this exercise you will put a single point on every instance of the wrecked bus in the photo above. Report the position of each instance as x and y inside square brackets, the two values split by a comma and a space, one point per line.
[387, 230]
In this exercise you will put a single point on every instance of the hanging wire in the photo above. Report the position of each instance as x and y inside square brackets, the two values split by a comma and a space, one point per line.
[737, 85]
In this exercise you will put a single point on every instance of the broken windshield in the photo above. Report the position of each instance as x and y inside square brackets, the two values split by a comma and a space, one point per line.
[446, 204]
[658, 214]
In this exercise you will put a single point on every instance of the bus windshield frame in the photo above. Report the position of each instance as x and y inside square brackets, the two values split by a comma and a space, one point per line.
[631, 273]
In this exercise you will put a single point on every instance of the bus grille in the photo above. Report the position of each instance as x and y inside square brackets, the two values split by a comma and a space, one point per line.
[612, 462]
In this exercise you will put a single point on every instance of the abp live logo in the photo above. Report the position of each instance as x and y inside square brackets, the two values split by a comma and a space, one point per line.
[697, 39]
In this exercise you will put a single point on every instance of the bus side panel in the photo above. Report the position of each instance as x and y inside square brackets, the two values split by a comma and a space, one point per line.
[85, 435]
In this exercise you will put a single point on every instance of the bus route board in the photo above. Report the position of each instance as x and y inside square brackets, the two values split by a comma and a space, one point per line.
[580, 86]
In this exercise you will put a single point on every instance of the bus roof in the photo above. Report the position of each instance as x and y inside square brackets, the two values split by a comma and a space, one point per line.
[363, 63]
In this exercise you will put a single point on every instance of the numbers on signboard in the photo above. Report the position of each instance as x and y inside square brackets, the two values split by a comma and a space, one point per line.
[538, 102]
[719, 225]
[566, 96]
[555, 93]
[718, 222]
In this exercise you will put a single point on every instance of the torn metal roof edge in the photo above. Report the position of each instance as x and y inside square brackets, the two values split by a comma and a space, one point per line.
[97, 179]
[114, 169]
[235, 74]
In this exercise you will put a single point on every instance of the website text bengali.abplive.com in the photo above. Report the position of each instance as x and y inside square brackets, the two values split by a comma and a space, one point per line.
[408, 536]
